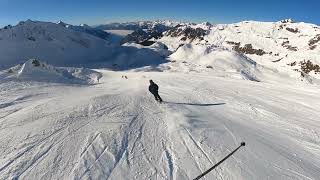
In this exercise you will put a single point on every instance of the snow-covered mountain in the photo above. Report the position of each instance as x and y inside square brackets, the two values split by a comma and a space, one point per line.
[50, 42]
[285, 46]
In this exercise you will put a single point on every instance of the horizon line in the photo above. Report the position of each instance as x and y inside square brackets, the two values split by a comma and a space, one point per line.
[153, 20]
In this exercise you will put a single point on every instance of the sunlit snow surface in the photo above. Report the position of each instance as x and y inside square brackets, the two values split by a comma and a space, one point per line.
[116, 130]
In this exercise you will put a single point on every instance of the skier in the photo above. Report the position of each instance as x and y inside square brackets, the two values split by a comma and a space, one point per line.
[153, 88]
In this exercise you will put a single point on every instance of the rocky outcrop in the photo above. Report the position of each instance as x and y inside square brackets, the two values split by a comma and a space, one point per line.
[308, 66]
[295, 30]
[140, 35]
[314, 41]
[288, 46]
[187, 33]
[246, 49]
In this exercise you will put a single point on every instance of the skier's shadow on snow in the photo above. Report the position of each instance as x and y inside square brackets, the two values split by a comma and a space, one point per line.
[195, 104]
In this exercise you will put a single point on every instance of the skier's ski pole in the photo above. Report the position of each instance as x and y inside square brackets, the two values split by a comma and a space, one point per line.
[206, 172]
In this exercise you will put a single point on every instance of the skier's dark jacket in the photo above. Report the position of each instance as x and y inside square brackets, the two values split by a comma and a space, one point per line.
[153, 88]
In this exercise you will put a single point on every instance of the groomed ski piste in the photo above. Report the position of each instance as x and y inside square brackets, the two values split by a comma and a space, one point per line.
[116, 130]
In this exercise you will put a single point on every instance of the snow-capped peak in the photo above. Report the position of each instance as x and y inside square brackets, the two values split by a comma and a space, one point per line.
[204, 26]
[84, 25]
[289, 20]
[62, 23]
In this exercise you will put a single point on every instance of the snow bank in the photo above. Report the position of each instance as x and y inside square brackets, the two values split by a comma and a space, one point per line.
[35, 70]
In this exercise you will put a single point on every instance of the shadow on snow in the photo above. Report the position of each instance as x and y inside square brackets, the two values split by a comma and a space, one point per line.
[195, 104]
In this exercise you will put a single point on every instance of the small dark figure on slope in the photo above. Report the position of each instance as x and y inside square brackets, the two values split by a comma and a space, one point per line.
[154, 88]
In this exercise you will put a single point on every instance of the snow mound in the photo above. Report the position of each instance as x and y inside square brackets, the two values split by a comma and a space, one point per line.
[217, 59]
[36, 70]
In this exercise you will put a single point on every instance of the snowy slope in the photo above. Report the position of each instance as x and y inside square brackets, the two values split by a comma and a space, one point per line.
[87, 29]
[203, 58]
[116, 130]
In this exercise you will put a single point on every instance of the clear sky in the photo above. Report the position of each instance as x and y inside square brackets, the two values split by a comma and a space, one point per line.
[102, 11]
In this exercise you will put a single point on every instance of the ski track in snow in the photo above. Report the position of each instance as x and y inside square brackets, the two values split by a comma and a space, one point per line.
[115, 129]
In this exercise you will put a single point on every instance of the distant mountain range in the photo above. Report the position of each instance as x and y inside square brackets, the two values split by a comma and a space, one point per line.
[285, 46]
[139, 25]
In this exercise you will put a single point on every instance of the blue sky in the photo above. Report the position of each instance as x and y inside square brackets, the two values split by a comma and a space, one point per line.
[102, 11]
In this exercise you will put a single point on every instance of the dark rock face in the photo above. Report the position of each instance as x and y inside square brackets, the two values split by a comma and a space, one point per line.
[296, 30]
[247, 49]
[233, 43]
[308, 66]
[292, 64]
[140, 35]
[288, 46]
[314, 41]
[31, 38]
[137, 36]
[187, 33]
[7, 27]
[142, 32]
[147, 43]
[122, 26]
[36, 63]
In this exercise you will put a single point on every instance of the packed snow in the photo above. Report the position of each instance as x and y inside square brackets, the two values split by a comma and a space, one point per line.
[116, 130]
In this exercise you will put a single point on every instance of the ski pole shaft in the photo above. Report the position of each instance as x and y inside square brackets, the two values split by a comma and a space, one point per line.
[206, 172]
